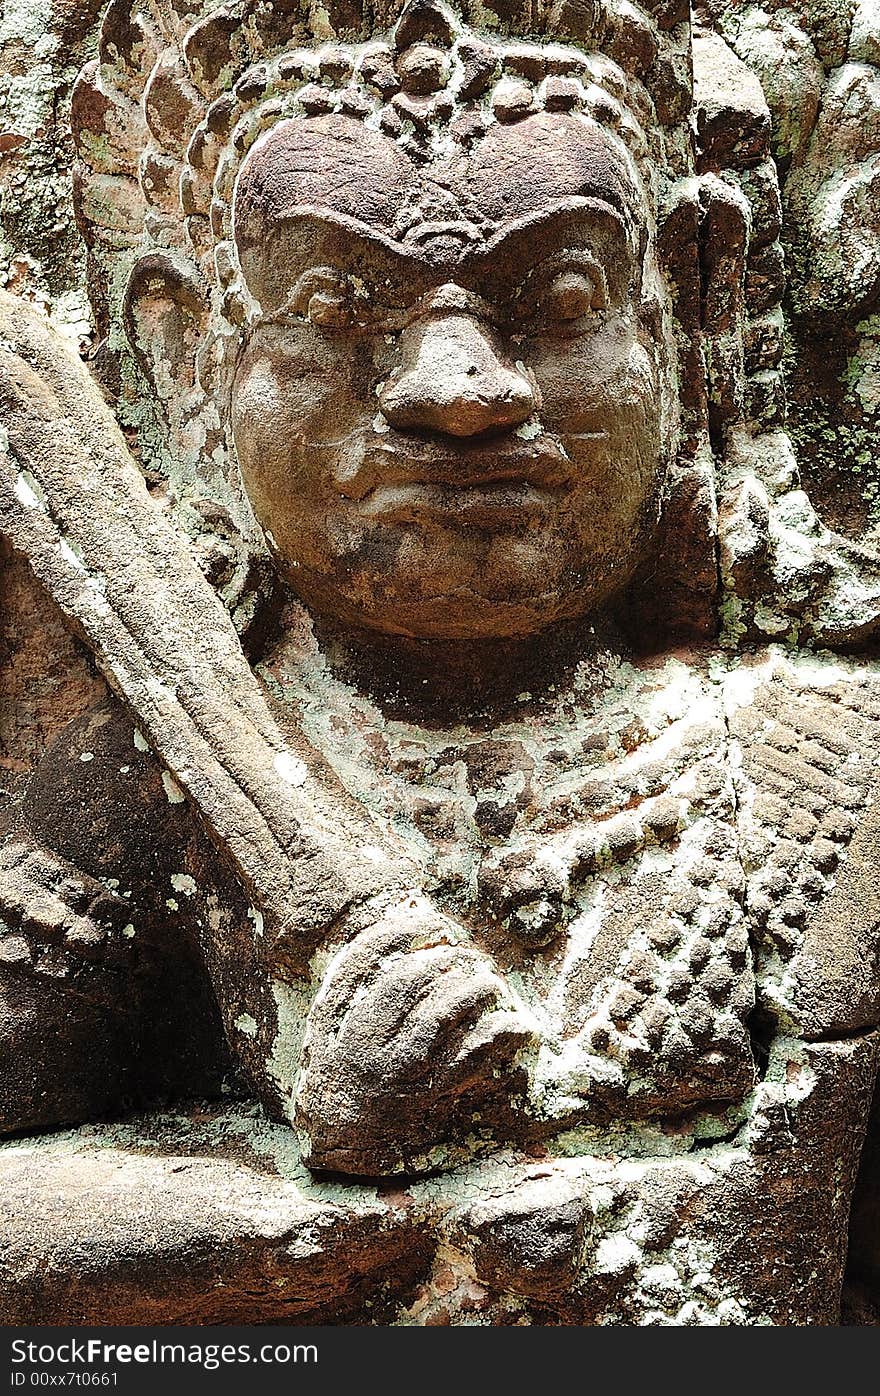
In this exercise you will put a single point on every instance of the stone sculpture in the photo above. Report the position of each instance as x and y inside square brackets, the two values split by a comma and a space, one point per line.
[472, 780]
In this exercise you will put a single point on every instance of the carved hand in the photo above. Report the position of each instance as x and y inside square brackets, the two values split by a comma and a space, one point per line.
[413, 1035]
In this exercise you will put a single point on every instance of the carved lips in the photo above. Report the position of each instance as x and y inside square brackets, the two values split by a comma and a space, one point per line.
[499, 482]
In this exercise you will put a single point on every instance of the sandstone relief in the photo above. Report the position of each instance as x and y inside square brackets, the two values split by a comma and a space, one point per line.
[440, 703]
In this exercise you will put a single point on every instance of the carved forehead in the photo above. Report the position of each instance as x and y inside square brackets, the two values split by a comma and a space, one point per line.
[331, 162]
[338, 166]
[517, 171]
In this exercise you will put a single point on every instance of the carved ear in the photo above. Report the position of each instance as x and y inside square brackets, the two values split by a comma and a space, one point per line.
[165, 314]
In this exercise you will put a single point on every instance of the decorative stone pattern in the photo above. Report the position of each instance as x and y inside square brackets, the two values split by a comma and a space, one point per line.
[818, 66]
[684, 1236]
[439, 729]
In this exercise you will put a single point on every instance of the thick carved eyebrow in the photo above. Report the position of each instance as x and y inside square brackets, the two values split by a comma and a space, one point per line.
[383, 273]
[574, 212]
[311, 237]
[520, 250]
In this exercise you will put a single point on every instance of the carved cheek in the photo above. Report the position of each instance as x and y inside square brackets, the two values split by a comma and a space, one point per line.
[601, 398]
[595, 381]
[259, 406]
[286, 403]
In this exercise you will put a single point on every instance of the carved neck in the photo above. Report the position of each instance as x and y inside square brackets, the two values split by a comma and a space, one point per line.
[450, 681]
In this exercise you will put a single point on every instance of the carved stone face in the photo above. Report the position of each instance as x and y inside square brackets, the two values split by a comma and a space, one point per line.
[446, 410]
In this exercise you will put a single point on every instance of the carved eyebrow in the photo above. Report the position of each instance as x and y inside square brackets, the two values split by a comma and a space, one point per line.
[338, 240]
[321, 238]
[356, 235]
[544, 239]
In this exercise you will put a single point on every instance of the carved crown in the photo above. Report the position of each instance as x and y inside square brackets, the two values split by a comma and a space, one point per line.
[164, 117]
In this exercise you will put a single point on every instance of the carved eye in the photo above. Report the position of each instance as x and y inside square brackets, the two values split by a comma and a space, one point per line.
[324, 297]
[324, 309]
[573, 294]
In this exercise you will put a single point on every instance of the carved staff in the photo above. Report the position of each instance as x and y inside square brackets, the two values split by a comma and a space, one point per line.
[74, 502]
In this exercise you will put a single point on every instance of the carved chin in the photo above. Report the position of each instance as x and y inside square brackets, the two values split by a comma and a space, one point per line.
[454, 583]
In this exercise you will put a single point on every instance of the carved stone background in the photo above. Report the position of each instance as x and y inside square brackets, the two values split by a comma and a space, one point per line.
[726, 1031]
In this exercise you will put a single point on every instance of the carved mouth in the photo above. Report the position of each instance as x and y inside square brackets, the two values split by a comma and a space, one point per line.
[505, 504]
[406, 477]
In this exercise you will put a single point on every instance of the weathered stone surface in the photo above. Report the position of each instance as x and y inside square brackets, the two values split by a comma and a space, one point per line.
[446, 751]
[784, 59]
[818, 66]
[176, 1220]
[831, 194]
[208, 1216]
[733, 119]
[864, 36]
[411, 1041]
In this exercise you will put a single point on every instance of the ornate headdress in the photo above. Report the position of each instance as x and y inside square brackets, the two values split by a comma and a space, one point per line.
[164, 118]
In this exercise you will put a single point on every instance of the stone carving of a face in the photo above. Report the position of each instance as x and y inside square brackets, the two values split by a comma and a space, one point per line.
[447, 406]
[621, 928]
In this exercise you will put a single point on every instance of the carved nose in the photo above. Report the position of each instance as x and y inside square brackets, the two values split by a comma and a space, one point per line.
[456, 380]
